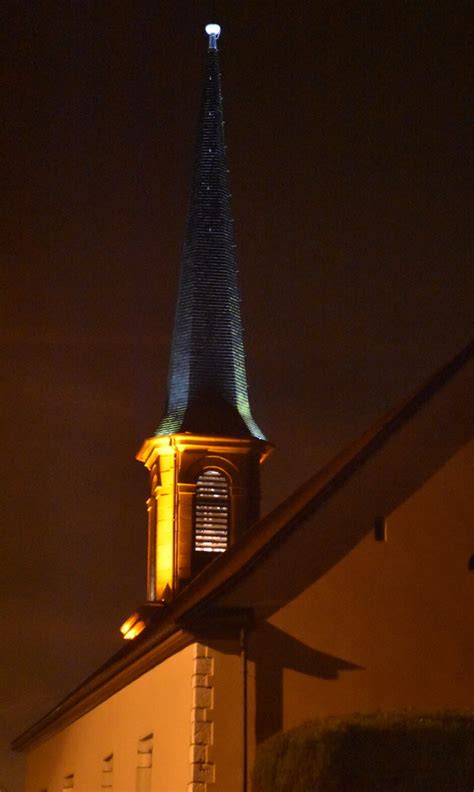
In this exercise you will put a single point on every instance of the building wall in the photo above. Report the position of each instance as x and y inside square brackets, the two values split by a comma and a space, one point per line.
[382, 625]
[159, 703]
[389, 625]
[191, 704]
[227, 716]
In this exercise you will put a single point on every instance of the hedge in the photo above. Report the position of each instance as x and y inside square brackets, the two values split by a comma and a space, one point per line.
[383, 752]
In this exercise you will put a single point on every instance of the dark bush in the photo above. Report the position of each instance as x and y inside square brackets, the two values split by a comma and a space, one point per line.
[386, 752]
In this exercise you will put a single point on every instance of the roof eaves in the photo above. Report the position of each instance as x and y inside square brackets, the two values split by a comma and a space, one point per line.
[124, 667]
[286, 516]
[165, 636]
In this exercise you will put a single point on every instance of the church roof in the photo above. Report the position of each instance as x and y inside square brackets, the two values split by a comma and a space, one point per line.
[207, 385]
[401, 450]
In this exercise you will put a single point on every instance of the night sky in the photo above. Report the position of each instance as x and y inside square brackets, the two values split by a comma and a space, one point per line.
[348, 143]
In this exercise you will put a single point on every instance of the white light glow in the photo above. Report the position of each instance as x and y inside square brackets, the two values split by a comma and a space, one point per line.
[213, 30]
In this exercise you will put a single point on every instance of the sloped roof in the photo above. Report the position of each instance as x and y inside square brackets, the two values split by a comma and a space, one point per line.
[435, 421]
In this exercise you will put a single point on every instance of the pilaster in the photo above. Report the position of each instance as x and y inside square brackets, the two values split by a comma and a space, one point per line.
[202, 766]
[175, 463]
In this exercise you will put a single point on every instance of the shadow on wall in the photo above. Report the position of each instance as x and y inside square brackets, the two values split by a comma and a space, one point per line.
[294, 546]
[350, 497]
[273, 650]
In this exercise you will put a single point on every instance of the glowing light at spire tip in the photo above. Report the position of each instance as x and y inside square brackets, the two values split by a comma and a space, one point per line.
[213, 31]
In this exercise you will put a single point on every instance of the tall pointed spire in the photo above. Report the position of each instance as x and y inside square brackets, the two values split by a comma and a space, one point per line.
[204, 460]
[207, 386]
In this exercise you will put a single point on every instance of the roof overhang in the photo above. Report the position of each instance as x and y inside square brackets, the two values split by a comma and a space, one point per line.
[197, 611]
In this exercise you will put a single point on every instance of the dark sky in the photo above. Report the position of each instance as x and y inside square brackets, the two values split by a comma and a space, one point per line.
[348, 143]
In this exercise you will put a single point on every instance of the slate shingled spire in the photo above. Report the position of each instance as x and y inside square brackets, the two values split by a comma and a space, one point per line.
[207, 386]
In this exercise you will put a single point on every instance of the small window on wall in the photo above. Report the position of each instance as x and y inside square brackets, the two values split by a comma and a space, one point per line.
[144, 762]
[211, 520]
[68, 782]
[107, 771]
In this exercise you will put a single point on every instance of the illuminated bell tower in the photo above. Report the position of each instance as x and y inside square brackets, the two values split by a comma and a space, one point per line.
[204, 457]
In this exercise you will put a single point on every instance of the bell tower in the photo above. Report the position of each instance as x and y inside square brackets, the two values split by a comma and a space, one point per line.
[205, 455]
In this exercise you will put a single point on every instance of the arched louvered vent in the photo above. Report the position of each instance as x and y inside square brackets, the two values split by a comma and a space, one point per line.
[211, 522]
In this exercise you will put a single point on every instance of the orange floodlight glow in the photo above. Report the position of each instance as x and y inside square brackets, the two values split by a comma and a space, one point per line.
[137, 628]
[127, 625]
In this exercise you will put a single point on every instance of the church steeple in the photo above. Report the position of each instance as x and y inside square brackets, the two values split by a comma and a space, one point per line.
[207, 387]
[204, 458]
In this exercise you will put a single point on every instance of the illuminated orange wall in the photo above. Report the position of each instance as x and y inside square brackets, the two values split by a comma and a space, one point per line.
[227, 717]
[163, 702]
[390, 625]
[345, 623]
[160, 702]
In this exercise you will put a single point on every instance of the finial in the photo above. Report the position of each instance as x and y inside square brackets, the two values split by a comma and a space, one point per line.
[213, 31]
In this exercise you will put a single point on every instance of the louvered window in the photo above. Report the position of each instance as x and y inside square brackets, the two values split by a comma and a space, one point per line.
[211, 522]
